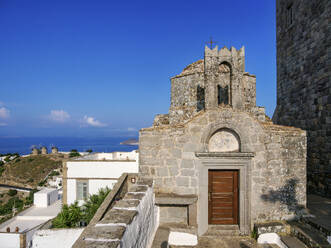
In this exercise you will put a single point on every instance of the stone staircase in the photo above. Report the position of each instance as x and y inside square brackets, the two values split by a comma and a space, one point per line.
[308, 232]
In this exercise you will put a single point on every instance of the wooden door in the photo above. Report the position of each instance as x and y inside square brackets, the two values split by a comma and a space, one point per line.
[223, 197]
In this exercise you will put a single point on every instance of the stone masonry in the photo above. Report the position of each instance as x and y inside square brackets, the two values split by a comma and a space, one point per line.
[303, 82]
[214, 123]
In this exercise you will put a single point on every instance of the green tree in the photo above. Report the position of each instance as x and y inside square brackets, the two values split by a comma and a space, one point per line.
[89, 150]
[74, 153]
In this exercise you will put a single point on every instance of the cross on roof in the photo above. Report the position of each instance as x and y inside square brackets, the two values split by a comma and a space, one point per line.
[211, 42]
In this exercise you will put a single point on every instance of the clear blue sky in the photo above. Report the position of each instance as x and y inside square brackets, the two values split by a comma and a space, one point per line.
[85, 68]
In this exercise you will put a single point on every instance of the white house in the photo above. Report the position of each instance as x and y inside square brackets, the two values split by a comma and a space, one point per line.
[17, 232]
[84, 176]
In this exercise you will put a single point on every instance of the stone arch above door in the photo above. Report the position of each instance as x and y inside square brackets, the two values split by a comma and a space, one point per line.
[224, 140]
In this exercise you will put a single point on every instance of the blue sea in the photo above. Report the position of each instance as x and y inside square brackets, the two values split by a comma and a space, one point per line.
[23, 145]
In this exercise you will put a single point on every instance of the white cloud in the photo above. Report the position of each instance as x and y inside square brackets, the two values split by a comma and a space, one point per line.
[90, 121]
[132, 129]
[2, 124]
[4, 113]
[59, 116]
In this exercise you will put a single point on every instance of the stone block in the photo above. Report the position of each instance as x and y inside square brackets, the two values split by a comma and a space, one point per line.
[182, 181]
[162, 171]
[187, 164]
[187, 172]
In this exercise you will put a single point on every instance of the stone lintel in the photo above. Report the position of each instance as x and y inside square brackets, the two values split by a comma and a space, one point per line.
[172, 199]
[225, 154]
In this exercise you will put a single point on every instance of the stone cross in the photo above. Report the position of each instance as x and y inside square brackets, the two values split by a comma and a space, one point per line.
[211, 42]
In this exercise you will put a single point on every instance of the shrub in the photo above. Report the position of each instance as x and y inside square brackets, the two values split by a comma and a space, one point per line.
[1, 163]
[93, 203]
[42, 183]
[74, 153]
[89, 150]
[2, 169]
[13, 202]
[7, 159]
[12, 192]
[29, 199]
[71, 216]
[54, 173]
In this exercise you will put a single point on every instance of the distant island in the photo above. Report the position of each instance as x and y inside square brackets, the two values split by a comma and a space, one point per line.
[131, 142]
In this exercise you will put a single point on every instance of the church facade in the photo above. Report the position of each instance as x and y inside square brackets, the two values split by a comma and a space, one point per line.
[216, 158]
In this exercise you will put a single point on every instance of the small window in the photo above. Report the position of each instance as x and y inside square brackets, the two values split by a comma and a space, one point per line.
[289, 15]
[82, 190]
[200, 98]
[223, 95]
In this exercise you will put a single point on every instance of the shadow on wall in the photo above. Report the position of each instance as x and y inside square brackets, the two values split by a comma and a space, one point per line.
[285, 195]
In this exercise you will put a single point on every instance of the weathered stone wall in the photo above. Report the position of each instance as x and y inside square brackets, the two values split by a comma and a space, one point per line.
[184, 96]
[303, 82]
[167, 154]
[279, 180]
[249, 91]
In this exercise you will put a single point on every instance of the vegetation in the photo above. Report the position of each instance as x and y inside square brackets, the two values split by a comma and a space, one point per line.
[71, 216]
[14, 202]
[12, 192]
[74, 153]
[29, 199]
[54, 173]
[89, 150]
[28, 171]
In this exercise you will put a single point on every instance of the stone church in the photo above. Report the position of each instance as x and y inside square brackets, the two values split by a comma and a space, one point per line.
[216, 158]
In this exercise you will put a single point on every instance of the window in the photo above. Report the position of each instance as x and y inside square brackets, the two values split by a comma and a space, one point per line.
[82, 190]
[200, 98]
[223, 95]
[289, 15]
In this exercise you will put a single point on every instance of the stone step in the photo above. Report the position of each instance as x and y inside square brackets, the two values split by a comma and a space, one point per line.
[292, 242]
[314, 224]
[310, 237]
[222, 230]
[161, 238]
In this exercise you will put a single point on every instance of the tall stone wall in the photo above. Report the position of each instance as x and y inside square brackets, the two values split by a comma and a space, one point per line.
[303, 82]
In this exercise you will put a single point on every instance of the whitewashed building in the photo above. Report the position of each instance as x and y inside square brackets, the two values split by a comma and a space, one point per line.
[18, 231]
[84, 176]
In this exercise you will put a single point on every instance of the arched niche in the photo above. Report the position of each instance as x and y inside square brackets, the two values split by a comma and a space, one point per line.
[224, 140]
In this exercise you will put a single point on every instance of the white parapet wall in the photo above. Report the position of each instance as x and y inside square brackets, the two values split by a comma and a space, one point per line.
[9, 240]
[141, 231]
[56, 238]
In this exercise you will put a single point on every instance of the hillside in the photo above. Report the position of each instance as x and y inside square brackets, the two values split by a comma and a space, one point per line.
[29, 171]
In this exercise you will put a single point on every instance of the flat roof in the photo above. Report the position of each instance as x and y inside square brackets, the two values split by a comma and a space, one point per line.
[32, 217]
